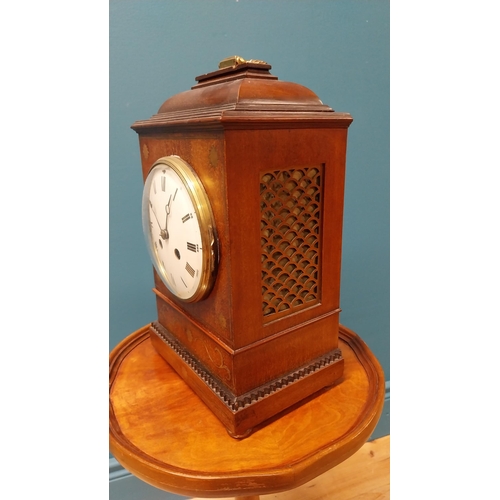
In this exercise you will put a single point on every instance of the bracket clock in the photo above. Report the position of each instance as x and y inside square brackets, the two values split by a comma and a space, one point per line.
[242, 215]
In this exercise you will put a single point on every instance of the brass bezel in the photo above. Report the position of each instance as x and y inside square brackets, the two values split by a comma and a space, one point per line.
[206, 222]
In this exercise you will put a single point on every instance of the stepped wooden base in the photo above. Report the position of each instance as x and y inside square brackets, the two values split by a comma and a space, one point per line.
[241, 414]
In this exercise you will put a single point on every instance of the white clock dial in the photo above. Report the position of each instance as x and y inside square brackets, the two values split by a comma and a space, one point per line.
[179, 230]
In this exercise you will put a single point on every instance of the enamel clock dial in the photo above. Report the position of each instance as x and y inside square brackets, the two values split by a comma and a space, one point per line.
[179, 229]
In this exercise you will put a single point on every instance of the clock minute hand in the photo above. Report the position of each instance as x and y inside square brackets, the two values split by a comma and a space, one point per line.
[163, 232]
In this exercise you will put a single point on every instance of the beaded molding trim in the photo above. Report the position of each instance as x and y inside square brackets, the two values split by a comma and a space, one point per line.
[237, 403]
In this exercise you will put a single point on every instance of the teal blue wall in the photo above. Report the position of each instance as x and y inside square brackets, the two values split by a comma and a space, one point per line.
[339, 49]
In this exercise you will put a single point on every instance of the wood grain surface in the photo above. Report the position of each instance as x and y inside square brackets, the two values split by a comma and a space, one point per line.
[364, 476]
[162, 432]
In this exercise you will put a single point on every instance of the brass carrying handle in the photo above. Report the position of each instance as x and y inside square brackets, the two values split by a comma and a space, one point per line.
[234, 61]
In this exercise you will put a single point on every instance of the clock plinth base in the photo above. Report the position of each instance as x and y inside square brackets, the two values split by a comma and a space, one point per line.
[242, 414]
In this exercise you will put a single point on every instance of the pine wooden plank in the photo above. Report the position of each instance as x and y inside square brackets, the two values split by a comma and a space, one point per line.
[364, 476]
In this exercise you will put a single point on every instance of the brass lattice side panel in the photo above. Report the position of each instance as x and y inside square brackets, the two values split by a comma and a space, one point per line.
[290, 203]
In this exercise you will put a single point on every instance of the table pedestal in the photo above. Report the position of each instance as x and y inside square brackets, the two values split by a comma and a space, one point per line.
[165, 435]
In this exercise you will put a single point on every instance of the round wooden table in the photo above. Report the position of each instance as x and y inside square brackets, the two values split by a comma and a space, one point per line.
[165, 435]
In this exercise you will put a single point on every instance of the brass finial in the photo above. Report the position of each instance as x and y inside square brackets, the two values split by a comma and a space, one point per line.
[234, 61]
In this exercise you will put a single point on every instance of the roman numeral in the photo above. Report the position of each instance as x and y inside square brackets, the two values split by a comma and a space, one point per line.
[163, 182]
[190, 270]
[187, 217]
[184, 282]
[192, 247]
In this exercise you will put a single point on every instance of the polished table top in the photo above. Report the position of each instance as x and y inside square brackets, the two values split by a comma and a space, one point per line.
[164, 434]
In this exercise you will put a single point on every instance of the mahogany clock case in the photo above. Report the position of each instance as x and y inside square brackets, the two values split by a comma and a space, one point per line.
[271, 157]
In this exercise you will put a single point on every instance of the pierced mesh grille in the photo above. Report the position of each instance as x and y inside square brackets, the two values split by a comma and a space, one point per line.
[290, 203]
